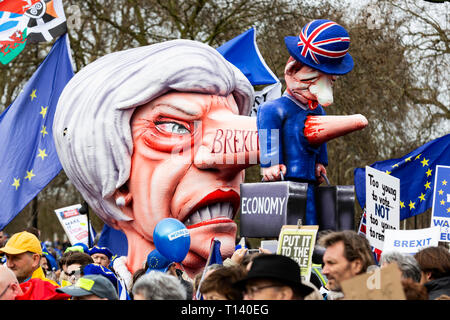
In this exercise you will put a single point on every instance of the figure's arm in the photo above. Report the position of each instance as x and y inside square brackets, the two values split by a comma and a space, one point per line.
[269, 121]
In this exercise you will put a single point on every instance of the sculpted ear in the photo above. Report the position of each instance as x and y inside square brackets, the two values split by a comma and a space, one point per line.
[123, 197]
[124, 201]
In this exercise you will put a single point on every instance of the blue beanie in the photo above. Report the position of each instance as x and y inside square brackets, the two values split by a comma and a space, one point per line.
[93, 268]
[103, 250]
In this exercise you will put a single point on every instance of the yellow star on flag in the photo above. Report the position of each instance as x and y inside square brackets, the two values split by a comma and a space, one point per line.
[43, 111]
[411, 205]
[424, 162]
[441, 192]
[29, 175]
[418, 156]
[443, 202]
[16, 183]
[444, 182]
[421, 197]
[402, 204]
[448, 209]
[429, 172]
[44, 131]
[427, 185]
[395, 165]
[33, 94]
[42, 154]
[408, 159]
[388, 172]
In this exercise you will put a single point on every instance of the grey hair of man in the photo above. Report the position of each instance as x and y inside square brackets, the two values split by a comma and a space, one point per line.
[91, 126]
[406, 263]
[157, 285]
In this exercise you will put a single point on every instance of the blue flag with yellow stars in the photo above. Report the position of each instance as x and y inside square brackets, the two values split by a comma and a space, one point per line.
[28, 158]
[416, 172]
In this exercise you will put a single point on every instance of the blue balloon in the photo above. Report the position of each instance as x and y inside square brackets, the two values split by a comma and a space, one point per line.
[172, 239]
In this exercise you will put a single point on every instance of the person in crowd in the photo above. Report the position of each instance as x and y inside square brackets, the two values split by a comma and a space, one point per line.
[157, 285]
[101, 255]
[23, 255]
[198, 277]
[347, 254]
[91, 287]
[74, 263]
[3, 238]
[434, 263]
[406, 263]
[273, 277]
[219, 284]
[9, 285]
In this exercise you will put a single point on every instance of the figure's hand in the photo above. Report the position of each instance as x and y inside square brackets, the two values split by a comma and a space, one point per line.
[273, 173]
[320, 169]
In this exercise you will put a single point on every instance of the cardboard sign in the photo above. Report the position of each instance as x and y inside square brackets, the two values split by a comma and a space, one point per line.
[381, 284]
[74, 224]
[382, 205]
[298, 243]
[411, 241]
[440, 216]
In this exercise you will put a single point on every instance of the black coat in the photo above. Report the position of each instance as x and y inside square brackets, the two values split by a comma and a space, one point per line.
[438, 287]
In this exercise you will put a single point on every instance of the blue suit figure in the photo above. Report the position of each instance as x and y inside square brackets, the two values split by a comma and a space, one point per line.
[318, 55]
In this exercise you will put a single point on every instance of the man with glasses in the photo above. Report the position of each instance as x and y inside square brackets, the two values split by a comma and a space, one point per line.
[273, 277]
[23, 255]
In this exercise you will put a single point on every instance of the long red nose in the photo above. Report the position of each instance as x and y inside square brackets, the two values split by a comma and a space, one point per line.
[320, 129]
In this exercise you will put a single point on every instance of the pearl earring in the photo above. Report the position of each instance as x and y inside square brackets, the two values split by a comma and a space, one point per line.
[120, 201]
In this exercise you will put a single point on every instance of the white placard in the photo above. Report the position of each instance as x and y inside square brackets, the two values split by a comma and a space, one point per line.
[382, 205]
[74, 224]
[411, 241]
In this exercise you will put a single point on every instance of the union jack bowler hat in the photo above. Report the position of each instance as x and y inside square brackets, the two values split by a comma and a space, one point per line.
[322, 45]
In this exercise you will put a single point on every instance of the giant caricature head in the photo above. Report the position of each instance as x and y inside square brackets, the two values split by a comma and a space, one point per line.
[318, 55]
[154, 132]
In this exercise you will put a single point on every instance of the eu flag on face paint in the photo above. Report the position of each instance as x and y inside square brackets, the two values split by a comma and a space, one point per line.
[416, 172]
[28, 158]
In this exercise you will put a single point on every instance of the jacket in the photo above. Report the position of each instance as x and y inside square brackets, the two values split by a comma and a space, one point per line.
[438, 287]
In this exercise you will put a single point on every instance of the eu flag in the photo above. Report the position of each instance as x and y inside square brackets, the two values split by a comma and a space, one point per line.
[416, 172]
[242, 51]
[28, 158]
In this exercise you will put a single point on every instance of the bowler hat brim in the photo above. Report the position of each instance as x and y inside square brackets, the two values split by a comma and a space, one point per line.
[301, 288]
[343, 67]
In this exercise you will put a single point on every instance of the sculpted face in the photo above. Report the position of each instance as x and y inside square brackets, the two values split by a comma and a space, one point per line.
[308, 85]
[189, 154]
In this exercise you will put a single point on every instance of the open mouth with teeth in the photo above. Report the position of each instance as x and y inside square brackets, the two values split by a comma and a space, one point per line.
[217, 207]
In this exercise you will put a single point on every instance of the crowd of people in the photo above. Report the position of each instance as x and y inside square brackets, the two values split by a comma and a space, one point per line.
[35, 270]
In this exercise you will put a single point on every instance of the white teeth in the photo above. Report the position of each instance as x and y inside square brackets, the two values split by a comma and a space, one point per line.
[216, 210]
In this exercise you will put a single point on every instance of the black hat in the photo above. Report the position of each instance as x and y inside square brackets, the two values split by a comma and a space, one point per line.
[275, 267]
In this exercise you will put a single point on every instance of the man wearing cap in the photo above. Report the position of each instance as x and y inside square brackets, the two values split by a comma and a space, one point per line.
[23, 254]
[101, 255]
[273, 277]
[91, 287]
[318, 55]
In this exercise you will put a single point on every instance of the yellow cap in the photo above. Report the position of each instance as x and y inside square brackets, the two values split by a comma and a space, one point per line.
[22, 242]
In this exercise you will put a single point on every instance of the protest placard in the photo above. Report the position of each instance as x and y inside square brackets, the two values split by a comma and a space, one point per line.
[271, 245]
[298, 243]
[410, 241]
[380, 284]
[382, 205]
[440, 216]
[74, 224]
